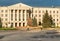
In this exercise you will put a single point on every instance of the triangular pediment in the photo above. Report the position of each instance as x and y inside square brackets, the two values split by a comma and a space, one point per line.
[20, 5]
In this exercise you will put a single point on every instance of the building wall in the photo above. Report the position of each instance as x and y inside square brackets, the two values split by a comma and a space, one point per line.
[55, 12]
[16, 15]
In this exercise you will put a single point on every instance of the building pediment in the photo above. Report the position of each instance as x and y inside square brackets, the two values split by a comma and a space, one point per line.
[19, 5]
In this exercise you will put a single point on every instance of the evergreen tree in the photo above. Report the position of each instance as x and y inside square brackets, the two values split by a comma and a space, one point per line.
[47, 20]
[0, 23]
[34, 22]
[51, 21]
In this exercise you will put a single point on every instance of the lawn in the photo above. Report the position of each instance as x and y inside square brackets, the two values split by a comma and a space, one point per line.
[8, 29]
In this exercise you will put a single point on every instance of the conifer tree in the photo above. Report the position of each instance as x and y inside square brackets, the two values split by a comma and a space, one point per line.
[51, 21]
[0, 23]
[47, 20]
[34, 22]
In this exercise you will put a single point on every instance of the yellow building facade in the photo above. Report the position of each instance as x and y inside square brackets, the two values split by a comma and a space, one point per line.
[17, 15]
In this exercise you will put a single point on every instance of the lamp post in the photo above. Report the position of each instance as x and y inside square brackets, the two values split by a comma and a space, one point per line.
[52, 3]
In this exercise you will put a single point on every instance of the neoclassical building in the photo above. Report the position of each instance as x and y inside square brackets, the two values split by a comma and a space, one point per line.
[17, 15]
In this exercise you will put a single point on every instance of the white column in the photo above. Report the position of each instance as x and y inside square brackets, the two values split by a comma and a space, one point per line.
[21, 18]
[21, 24]
[31, 13]
[17, 18]
[25, 23]
[13, 24]
[17, 15]
[10, 15]
[14, 18]
[13, 15]
[25, 15]
[25, 18]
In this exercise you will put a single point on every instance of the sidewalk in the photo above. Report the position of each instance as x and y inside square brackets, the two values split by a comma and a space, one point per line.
[2, 32]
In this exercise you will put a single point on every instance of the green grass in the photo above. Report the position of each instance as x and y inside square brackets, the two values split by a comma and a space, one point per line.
[8, 29]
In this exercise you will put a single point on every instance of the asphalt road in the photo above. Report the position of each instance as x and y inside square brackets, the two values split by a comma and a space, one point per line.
[24, 36]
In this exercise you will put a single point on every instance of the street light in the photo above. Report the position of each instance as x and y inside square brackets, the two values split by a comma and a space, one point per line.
[52, 3]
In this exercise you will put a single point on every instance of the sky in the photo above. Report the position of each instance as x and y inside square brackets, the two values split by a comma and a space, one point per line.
[31, 2]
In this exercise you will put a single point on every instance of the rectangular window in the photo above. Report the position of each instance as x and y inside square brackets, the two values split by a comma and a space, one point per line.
[19, 24]
[15, 17]
[1, 10]
[42, 11]
[6, 15]
[1, 15]
[39, 11]
[15, 24]
[11, 11]
[23, 17]
[5, 10]
[57, 12]
[35, 15]
[39, 15]
[27, 11]
[36, 11]
[57, 15]
[53, 19]
[53, 15]
[19, 17]
[15, 11]
[50, 11]
[19, 11]
[53, 11]
[6, 19]
[57, 19]
[11, 17]
[11, 24]
[23, 24]
[23, 11]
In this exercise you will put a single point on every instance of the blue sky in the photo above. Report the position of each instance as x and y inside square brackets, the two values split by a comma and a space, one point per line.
[31, 2]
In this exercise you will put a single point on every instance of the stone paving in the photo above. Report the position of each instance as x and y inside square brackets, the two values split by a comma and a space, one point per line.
[27, 36]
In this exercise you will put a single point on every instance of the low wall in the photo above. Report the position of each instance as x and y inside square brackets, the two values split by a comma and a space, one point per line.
[37, 28]
[30, 28]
